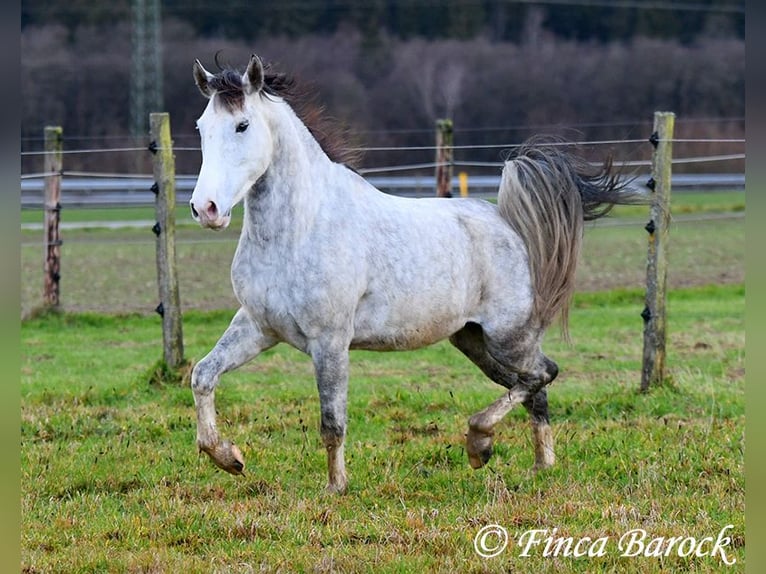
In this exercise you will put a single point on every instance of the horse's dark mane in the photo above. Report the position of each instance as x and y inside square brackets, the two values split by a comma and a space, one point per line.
[330, 135]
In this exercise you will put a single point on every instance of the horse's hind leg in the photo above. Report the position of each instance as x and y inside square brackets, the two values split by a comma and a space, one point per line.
[481, 427]
[520, 366]
[241, 342]
[542, 435]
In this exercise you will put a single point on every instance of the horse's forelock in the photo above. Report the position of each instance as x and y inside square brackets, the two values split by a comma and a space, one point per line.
[231, 95]
[228, 87]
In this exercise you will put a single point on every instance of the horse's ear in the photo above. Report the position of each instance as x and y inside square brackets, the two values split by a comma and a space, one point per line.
[252, 79]
[202, 78]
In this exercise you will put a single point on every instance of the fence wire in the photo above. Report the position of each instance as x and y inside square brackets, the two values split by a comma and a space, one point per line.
[186, 236]
[421, 166]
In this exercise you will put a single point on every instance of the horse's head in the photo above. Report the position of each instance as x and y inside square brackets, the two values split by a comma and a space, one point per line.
[236, 141]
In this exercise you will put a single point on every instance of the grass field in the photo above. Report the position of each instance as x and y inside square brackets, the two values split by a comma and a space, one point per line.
[112, 482]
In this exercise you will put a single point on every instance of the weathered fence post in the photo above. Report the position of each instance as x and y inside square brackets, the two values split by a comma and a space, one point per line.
[165, 189]
[52, 216]
[444, 139]
[653, 369]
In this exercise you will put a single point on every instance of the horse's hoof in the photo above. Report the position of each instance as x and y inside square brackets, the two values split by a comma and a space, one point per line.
[337, 483]
[335, 489]
[228, 457]
[480, 459]
[479, 449]
[538, 466]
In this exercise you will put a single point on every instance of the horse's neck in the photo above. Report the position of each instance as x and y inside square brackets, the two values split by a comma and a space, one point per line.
[283, 204]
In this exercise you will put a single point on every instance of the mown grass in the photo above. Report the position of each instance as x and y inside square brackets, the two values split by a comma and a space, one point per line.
[111, 481]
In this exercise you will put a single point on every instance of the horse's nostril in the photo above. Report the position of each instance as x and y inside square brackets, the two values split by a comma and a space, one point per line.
[212, 210]
[195, 215]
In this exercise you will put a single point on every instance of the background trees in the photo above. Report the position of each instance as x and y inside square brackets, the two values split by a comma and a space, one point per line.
[389, 68]
[501, 20]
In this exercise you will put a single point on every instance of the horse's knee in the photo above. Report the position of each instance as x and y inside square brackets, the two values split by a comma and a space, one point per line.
[204, 377]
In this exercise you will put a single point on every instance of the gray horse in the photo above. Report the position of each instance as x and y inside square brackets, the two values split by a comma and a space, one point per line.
[327, 263]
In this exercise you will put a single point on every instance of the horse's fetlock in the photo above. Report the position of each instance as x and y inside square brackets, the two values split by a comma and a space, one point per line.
[333, 438]
[206, 445]
[332, 428]
[478, 424]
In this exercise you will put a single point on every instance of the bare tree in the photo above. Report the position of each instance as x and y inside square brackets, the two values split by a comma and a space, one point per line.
[496, 92]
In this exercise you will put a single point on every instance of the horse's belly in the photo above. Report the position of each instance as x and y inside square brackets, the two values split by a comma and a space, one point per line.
[403, 339]
[393, 327]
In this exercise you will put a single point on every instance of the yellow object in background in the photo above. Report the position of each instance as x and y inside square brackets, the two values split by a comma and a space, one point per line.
[463, 180]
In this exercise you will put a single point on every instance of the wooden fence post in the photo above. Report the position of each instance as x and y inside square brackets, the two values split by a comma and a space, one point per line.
[653, 369]
[52, 216]
[444, 139]
[165, 190]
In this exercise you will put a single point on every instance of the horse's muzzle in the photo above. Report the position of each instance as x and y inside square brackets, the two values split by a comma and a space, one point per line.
[209, 216]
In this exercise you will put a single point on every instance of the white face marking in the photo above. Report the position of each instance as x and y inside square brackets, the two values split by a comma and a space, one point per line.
[236, 151]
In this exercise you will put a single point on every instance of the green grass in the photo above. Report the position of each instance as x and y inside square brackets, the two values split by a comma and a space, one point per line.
[111, 481]
[693, 202]
[93, 214]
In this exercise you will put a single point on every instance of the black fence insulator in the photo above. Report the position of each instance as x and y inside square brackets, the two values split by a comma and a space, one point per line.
[650, 227]
[654, 139]
[155, 188]
[157, 229]
[646, 314]
[153, 147]
[56, 208]
[57, 277]
[160, 309]
[651, 184]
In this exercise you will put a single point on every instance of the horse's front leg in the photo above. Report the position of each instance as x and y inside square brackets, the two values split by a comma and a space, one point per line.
[331, 366]
[240, 343]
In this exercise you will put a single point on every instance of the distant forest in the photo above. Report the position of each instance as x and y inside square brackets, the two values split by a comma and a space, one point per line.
[498, 20]
[386, 69]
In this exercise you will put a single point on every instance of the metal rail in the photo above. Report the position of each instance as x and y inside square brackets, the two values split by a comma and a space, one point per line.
[136, 191]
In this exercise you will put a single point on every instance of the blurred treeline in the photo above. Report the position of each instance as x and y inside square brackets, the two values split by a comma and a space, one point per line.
[498, 20]
[387, 69]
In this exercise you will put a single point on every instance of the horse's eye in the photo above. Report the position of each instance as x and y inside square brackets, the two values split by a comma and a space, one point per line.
[242, 126]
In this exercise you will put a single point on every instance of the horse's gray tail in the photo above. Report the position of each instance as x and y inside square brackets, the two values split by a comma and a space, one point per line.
[546, 195]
